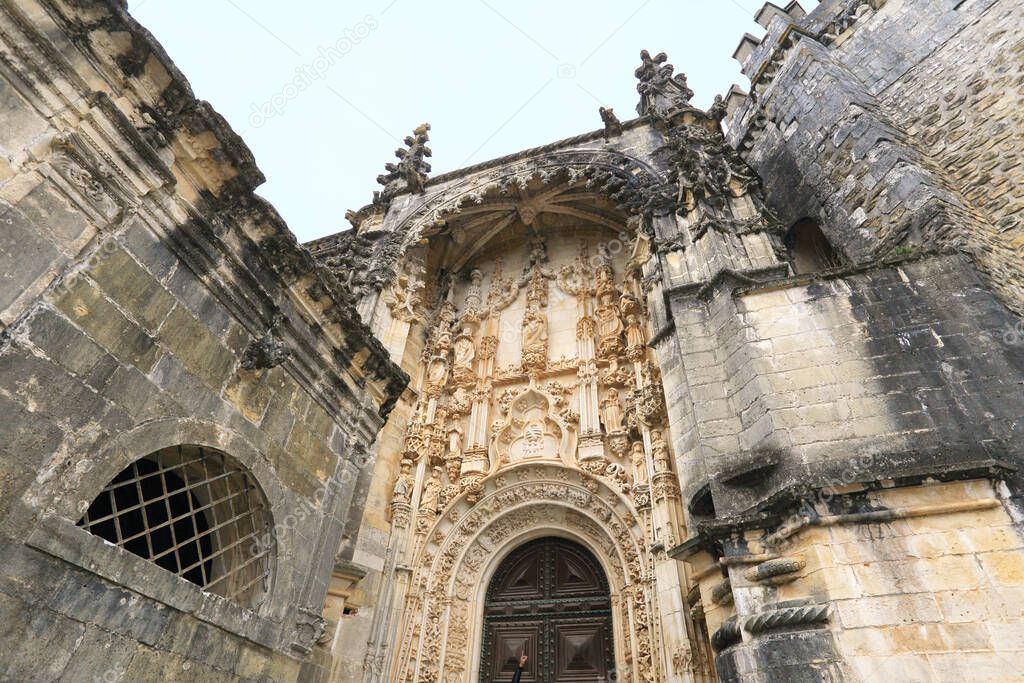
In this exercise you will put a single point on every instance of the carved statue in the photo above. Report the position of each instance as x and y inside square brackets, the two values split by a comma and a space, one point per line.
[660, 451]
[464, 352]
[402, 493]
[432, 492]
[661, 93]
[717, 111]
[406, 295]
[612, 125]
[535, 340]
[635, 338]
[639, 460]
[453, 458]
[611, 410]
[608, 322]
[437, 374]
[535, 329]
[609, 326]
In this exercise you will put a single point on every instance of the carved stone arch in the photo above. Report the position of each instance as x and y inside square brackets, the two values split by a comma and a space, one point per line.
[444, 618]
[634, 185]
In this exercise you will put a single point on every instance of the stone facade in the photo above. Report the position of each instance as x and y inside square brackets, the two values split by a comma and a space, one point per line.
[151, 300]
[761, 362]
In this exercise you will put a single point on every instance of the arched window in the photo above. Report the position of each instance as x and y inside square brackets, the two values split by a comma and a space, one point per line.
[195, 512]
[809, 249]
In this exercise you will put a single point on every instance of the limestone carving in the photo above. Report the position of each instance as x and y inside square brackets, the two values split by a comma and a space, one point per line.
[402, 493]
[405, 296]
[612, 125]
[531, 430]
[661, 93]
[410, 173]
[611, 410]
[430, 500]
[639, 460]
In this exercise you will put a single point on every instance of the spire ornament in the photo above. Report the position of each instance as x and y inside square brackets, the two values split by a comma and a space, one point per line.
[662, 92]
[410, 173]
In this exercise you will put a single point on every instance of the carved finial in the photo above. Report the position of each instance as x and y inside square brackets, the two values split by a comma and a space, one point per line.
[612, 125]
[411, 170]
[661, 92]
[717, 111]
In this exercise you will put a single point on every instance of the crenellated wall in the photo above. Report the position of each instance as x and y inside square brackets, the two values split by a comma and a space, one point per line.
[892, 122]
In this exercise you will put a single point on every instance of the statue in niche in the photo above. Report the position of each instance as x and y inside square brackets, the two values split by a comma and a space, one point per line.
[538, 254]
[453, 458]
[535, 339]
[464, 352]
[639, 460]
[432, 492]
[611, 410]
[609, 326]
[437, 374]
[535, 329]
[402, 493]
[635, 339]
[660, 451]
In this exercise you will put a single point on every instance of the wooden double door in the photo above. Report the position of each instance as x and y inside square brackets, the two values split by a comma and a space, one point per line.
[549, 600]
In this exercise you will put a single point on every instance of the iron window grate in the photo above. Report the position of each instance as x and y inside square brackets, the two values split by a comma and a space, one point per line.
[194, 512]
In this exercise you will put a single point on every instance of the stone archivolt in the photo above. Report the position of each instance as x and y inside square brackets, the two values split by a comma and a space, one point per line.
[443, 611]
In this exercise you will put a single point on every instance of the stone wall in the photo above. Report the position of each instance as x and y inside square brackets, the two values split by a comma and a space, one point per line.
[149, 300]
[892, 123]
[827, 401]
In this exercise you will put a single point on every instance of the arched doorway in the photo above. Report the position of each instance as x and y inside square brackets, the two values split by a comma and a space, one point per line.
[548, 599]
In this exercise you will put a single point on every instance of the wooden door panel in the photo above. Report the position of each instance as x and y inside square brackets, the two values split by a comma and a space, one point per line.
[510, 640]
[581, 649]
[549, 599]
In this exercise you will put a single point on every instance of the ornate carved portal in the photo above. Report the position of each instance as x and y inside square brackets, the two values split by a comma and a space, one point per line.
[539, 413]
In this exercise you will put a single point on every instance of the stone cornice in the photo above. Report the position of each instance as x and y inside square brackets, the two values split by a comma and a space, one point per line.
[208, 175]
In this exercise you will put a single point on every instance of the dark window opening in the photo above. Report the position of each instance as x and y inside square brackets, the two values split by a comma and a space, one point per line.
[148, 512]
[809, 250]
[193, 512]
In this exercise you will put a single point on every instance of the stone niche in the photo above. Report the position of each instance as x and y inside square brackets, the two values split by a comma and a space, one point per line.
[532, 431]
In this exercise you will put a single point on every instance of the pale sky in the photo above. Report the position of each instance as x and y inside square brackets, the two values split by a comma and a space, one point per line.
[323, 92]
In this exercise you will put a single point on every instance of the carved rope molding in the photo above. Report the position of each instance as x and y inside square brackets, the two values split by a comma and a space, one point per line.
[786, 617]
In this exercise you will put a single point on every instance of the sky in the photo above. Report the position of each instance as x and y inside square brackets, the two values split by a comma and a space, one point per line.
[323, 92]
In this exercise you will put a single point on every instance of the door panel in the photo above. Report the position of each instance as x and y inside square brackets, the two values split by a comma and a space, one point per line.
[549, 599]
